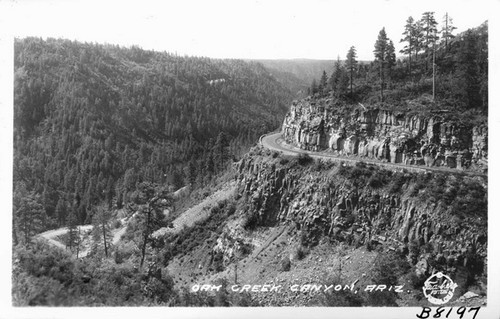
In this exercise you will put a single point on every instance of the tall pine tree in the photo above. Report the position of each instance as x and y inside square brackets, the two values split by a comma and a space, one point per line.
[323, 83]
[29, 215]
[429, 29]
[74, 239]
[447, 29]
[152, 200]
[409, 37]
[390, 58]
[339, 80]
[101, 232]
[419, 43]
[221, 151]
[380, 53]
[351, 64]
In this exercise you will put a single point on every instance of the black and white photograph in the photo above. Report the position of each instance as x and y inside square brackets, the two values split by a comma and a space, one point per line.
[327, 159]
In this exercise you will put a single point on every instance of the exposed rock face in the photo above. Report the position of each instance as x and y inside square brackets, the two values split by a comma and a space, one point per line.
[316, 124]
[230, 244]
[322, 202]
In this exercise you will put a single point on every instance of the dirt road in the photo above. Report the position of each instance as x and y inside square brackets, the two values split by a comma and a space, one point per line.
[50, 237]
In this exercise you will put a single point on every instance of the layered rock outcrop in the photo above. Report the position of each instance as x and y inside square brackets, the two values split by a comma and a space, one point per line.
[396, 137]
[324, 202]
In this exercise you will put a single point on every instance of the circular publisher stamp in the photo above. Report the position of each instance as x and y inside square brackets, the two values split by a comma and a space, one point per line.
[439, 288]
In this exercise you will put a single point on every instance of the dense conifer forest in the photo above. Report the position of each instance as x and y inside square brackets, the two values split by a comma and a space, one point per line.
[91, 121]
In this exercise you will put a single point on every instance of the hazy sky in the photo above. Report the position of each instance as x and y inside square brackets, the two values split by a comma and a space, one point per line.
[319, 29]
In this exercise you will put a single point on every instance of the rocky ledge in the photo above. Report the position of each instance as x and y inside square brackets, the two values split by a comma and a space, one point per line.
[433, 139]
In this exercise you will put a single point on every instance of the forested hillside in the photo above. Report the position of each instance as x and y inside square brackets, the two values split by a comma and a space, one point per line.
[91, 121]
[438, 71]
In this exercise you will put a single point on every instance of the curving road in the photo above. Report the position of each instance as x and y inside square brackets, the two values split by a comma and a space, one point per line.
[51, 236]
[275, 142]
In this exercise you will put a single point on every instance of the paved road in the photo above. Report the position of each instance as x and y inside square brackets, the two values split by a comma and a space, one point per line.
[275, 142]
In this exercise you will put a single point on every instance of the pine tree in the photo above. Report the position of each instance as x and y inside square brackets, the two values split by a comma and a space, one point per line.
[323, 83]
[152, 200]
[221, 151]
[101, 232]
[409, 37]
[339, 80]
[419, 38]
[343, 83]
[73, 241]
[380, 53]
[390, 58]
[209, 163]
[29, 215]
[429, 29]
[447, 29]
[351, 64]
[61, 211]
[109, 192]
[191, 172]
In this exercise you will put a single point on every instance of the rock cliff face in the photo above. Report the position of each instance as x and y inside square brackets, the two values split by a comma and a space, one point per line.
[363, 205]
[396, 137]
